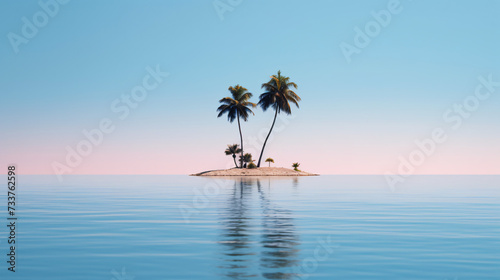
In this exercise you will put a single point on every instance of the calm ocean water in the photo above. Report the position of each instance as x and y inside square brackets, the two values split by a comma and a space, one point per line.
[327, 227]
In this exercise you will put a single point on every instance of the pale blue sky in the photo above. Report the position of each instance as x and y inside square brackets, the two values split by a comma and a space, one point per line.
[65, 78]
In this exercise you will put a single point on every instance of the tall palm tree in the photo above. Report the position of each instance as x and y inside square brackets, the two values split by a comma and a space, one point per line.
[236, 107]
[278, 95]
[233, 150]
[270, 160]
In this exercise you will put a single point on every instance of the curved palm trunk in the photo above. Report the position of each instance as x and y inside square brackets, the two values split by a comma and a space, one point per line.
[241, 139]
[265, 142]
[234, 158]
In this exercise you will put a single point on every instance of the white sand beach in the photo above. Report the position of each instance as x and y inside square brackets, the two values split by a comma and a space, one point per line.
[261, 171]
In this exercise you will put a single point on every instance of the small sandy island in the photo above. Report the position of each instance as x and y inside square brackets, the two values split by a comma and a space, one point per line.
[261, 171]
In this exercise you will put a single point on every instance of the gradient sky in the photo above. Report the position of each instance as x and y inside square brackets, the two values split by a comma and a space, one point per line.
[355, 118]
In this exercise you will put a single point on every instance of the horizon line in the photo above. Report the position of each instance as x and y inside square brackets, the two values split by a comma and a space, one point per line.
[326, 174]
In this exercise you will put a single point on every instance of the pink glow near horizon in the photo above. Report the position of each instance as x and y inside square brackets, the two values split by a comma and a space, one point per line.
[446, 161]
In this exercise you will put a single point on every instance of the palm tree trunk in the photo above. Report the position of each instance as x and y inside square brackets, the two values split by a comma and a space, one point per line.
[265, 142]
[241, 139]
[234, 158]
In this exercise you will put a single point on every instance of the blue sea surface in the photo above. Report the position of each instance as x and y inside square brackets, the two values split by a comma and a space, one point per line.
[181, 227]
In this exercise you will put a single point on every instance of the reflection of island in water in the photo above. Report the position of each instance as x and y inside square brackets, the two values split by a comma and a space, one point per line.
[258, 237]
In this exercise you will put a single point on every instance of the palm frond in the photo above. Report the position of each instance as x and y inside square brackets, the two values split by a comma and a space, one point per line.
[227, 100]
[232, 149]
[238, 105]
[278, 94]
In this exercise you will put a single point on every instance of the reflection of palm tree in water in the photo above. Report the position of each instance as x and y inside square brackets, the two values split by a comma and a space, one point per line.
[237, 238]
[278, 237]
[279, 240]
